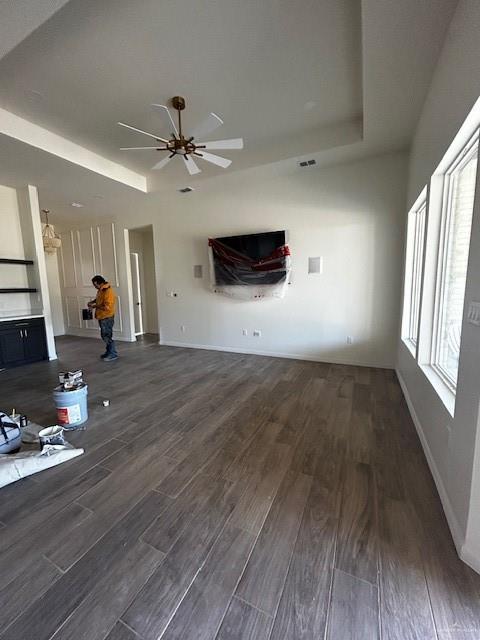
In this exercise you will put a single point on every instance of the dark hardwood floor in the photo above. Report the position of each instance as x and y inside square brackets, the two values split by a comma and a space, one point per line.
[228, 497]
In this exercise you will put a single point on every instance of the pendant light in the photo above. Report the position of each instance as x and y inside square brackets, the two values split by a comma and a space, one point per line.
[51, 240]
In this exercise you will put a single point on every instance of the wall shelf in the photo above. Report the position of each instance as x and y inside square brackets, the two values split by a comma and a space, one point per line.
[14, 261]
[18, 290]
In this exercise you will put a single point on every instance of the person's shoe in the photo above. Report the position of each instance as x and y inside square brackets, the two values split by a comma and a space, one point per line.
[103, 356]
[110, 358]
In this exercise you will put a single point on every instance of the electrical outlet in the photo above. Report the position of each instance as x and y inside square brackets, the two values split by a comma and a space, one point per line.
[245, 332]
[349, 340]
[257, 333]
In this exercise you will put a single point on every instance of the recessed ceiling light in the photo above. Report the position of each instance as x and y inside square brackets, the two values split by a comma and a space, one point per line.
[77, 204]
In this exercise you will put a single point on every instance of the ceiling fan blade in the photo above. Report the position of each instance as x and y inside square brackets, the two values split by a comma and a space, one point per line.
[191, 165]
[162, 163]
[152, 135]
[140, 148]
[161, 108]
[211, 122]
[234, 143]
[211, 157]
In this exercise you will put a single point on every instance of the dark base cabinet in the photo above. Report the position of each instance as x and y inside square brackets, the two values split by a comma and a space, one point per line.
[22, 342]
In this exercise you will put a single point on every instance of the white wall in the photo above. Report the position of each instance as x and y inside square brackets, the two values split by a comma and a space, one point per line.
[450, 443]
[54, 289]
[89, 249]
[12, 247]
[141, 242]
[21, 233]
[351, 215]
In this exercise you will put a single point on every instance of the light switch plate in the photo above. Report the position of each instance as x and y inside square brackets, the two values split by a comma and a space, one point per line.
[473, 315]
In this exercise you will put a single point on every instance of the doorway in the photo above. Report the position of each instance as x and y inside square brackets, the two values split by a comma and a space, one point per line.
[144, 286]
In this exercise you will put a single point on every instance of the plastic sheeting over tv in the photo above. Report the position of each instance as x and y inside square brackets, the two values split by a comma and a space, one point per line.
[250, 267]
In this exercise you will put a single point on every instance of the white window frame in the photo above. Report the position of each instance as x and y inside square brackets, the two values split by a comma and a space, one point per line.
[469, 150]
[414, 265]
[432, 272]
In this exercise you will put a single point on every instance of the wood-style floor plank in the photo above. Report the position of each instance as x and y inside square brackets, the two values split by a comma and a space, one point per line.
[357, 535]
[121, 632]
[201, 611]
[244, 622]
[109, 500]
[44, 617]
[151, 611]
[28, 585]
[406, 613]
[299, 504]
[262, 583]
[302, 612]
[112, 594]
[354, 609]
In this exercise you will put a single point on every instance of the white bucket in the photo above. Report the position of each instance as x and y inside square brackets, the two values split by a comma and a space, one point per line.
[51, 435]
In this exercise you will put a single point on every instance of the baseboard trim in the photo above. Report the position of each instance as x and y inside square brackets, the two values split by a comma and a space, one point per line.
[455, 529]
[470, 558]
[272, 354]
[94, 333]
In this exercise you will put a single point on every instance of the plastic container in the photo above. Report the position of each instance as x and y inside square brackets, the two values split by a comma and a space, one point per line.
[72, 410]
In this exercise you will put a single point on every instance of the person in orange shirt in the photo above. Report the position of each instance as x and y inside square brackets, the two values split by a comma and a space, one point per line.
[104, 305]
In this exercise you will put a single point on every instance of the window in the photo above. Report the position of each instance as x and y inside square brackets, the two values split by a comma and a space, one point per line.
[456, 222]
[413, 272]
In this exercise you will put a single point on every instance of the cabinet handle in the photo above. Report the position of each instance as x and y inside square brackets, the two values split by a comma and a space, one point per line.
[22, 324]
[21, 333]
[26, 333]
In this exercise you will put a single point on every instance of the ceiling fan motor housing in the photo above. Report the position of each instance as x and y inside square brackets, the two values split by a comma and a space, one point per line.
[178, 103]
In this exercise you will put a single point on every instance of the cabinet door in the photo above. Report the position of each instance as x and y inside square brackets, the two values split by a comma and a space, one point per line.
[34, 343]
[11, 346]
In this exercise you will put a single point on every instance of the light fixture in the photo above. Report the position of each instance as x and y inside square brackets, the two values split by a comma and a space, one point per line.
[51, 240]
[77, 204]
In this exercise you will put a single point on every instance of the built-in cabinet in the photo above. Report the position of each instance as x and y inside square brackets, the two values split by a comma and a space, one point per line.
[22, 341]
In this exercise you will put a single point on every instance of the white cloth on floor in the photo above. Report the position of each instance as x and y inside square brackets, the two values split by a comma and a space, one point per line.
[15, 466]
[30, 433]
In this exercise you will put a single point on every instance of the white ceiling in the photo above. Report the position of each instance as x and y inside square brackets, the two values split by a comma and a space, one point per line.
[292, 77]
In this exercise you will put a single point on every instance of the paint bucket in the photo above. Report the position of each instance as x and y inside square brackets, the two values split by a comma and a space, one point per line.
[71, 406]
[51, 435]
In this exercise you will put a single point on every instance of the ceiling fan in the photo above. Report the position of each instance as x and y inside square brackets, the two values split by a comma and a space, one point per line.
[179, 145]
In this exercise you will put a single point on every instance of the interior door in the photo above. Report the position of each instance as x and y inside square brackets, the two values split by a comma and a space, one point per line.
[137, 294]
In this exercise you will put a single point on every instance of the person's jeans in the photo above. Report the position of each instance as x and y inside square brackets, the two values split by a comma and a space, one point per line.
[106, 331]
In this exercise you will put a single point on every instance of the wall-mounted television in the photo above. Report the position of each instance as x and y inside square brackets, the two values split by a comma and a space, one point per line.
[253, 259]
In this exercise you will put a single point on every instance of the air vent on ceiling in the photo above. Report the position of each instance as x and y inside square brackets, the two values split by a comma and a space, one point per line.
[307, 163]
[186, 190]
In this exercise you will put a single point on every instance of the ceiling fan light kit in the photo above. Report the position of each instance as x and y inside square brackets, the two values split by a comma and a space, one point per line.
[179, 145]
